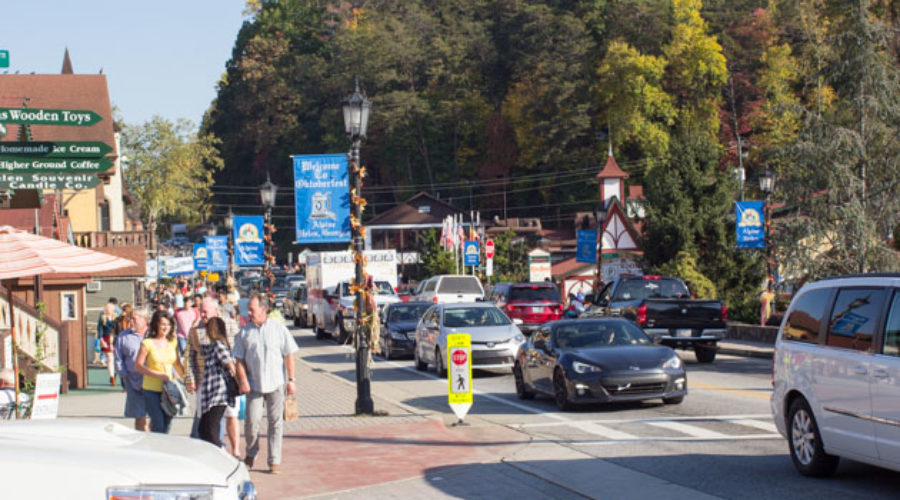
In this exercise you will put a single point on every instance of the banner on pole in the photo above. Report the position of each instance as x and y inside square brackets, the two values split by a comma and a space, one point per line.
[322, 198]
[586, 246]
[201, 257]
[217, 252]
[249, 247]
[750, 224]
[472, 254]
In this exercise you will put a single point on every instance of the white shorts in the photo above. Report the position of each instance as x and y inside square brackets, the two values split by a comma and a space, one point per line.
[233, 411]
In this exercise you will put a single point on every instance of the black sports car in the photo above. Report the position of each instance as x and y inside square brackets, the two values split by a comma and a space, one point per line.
[597, 360]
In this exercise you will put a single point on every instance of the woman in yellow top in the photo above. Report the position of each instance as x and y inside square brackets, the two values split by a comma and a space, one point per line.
[156, 360]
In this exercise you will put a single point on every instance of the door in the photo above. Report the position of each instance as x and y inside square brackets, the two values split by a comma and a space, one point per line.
[885, 387]
[426, 335]
[534, 371]
[841, 381]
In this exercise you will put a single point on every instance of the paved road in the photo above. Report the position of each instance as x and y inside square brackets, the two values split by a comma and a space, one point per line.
[720, 443]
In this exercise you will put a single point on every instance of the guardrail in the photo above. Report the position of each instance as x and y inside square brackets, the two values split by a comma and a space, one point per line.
[101, 239]
[33, 334]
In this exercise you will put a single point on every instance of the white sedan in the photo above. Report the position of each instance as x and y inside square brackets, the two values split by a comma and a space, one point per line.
[75, 460]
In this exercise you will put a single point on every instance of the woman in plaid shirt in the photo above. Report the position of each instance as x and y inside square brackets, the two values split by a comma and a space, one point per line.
[217, 359]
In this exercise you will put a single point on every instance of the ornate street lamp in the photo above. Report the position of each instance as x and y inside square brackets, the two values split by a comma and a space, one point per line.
[229, 226]
[767, 186]
[267, 194]
[356, 119]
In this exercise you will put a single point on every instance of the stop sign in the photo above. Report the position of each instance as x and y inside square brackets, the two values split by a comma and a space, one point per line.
[459, 357]
[489, 249]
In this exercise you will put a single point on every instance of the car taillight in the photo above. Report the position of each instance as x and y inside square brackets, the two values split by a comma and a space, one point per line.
[724, 314]
[642, 315]
[652, 277]
[434, 299]
[562, 307]
[510, 307]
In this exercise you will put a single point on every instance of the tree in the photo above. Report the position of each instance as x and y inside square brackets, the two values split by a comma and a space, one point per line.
[435, 260]
[684, 266]
[510, 258]
[170, 169]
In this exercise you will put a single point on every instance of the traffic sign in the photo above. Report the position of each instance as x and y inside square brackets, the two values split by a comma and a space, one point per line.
[4, 58]
[58, 149]
[38, 116]
[55, 165]
[459, 373]
[47, 181]
[489, 249]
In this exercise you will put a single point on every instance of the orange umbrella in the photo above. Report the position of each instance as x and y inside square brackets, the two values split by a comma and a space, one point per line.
[24, 254]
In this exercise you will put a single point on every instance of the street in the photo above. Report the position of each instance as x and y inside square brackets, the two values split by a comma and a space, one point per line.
[719, 443]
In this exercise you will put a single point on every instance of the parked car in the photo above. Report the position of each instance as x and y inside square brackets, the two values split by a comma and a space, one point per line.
[450, 288]
[398, 336]
[90, 459]
[291, 279]
[533, 303]
[495, 338]
[597, 360]
[296, 304]
[836, 371]
[663, 307]
[340, 318]
[288, 304]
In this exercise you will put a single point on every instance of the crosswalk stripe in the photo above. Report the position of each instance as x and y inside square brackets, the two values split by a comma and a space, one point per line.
[756, 424]
[690, 430]
[742, 437]
[601, 430]
[724, 418]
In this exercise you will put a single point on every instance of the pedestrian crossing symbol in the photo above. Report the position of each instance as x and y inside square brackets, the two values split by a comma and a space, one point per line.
[459, 373]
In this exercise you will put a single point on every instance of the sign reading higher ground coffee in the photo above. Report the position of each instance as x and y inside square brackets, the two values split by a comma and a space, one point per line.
[55, 165]
[36, 116]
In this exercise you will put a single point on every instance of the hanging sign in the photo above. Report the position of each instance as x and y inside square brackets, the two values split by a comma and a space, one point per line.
[321, 198]
[57, 149]
[54, 165]
[586, 246]
[217, 252]
[201, 257]
[459, 373]
[48, 181]
[249, 247]
[36, 116]
[750, 230]
[46, 396]
[471, 253]
[177, 266]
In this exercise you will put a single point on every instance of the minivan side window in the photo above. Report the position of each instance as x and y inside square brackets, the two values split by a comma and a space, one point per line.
[855, 317]
[429, 285]
[891, 345]
[807, 315]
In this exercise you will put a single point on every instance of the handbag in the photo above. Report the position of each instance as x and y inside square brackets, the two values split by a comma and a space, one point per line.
[231, 388]
[174, 399]
[291, 411]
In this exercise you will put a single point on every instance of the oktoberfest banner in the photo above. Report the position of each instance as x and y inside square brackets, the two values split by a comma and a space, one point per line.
[201, 257]
[249, 247]
[750, 224]
[321, 198]
[217, 251]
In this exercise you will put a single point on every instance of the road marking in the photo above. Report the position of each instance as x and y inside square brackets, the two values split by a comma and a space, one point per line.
[690, 430]
[725, 437]
[756, 424]
[762, 394]
[602, 431]
[720, 418]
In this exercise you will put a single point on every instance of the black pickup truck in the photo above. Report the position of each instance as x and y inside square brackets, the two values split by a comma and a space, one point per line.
[663, 307]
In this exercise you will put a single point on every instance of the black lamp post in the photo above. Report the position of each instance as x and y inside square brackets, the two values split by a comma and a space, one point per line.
[767, 186]
[267, 195]
[229, 226]
[356, 118]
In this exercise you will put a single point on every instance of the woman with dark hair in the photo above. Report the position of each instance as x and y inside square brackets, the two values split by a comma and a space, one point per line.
[156, 360]
[214, 396]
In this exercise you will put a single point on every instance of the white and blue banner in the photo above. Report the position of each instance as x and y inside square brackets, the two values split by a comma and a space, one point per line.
[471, 253]
[322, 198]
[177, 266]
[201, 257]
[249, 247]
[750, 224]
[217, 251]
[586, 246]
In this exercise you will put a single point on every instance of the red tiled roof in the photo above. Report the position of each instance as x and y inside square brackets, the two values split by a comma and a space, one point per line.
[612, 170]
[568, 267]
[409, 212]
[636, 192]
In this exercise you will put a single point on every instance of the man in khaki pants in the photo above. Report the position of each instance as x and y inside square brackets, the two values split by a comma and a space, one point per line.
[264, 351]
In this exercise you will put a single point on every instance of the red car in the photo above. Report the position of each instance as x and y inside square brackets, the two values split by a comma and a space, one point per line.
[532, 303]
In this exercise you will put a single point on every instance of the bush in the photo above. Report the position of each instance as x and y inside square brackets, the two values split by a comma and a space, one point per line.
[684, 266]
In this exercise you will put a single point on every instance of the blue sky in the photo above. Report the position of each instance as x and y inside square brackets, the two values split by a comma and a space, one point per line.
[162, 57]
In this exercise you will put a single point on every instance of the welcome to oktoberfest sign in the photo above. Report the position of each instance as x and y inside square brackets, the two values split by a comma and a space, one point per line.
[322, 198]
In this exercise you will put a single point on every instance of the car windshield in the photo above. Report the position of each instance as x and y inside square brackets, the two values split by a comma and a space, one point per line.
[459, 284]
[599, 334]
[534, 292]
[384, 288]
[407, 313]
[651, 289]
[462, 317]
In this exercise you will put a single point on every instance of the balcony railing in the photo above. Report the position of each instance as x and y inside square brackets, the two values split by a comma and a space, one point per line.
[101, 239]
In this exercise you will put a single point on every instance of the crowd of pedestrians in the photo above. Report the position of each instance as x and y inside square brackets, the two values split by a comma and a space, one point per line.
[193, 341]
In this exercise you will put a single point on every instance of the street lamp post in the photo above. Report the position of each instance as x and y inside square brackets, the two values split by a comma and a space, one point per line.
[267, 195]
[767, 186]
[356, 117]
[229, 226]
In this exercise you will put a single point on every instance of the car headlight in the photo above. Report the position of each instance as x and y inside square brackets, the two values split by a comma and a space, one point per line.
[672, 363]
[518, 338]
[580, 367]
[397, 335]
[159, 493]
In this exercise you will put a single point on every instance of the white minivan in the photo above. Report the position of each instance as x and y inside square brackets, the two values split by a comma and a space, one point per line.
[836, 373]
[450, 288]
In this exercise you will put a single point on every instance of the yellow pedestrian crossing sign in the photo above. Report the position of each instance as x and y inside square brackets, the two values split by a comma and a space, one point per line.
[459, 373]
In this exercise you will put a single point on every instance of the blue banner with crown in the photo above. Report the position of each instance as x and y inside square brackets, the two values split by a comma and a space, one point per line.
[249, 247]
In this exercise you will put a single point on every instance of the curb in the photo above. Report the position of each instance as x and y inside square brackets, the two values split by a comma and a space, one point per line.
[747, 353]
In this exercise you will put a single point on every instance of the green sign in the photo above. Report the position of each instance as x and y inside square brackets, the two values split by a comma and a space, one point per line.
[47, 181]
[56, 149]
[54, 165]
[37, 116]
[4, 58]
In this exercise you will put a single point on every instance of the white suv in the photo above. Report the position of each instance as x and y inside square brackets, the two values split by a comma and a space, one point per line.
[836, 373]
[450, 289]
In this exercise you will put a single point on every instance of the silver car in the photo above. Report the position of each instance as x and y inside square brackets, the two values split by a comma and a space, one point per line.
[495, 338]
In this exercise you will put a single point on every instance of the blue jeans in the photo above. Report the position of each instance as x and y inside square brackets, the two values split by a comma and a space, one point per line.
[159, 421]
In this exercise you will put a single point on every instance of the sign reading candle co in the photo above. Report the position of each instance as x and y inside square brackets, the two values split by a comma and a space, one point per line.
[459, 373]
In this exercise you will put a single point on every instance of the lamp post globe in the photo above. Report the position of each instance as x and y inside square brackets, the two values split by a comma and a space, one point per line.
[267, 193]
[356, 114]
[767, 181]
[229, 220]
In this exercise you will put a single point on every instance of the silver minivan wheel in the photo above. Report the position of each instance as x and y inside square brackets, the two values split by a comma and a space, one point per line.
[807, 450]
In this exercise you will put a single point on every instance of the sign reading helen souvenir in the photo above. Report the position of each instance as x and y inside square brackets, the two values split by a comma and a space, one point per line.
[459, 373]
[322, 198]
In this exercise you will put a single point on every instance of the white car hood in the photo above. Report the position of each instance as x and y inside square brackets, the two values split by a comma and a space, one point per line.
[81, 458]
